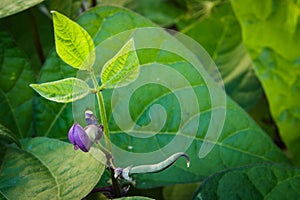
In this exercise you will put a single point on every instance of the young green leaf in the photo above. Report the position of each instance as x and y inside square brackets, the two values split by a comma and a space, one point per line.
[73, 44]
[62, 91]
[122, 68]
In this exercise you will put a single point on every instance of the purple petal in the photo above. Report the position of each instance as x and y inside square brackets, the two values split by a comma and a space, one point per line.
[79, 138]
[71, 133]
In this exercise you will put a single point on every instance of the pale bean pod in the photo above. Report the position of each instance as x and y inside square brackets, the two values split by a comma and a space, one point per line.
[130, 170]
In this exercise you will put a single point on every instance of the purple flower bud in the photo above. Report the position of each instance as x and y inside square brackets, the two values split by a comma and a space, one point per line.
[79, 138]
[90, 118]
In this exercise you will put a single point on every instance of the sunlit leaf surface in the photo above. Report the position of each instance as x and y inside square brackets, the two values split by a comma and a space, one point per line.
[73, 44]
[49, 169]
[271, 33]
[62, 91]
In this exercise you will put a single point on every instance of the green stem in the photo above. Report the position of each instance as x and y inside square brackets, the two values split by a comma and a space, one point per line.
[102, 111]
[109, 158]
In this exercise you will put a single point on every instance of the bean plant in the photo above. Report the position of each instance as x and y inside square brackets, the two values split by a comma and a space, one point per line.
[149, 99]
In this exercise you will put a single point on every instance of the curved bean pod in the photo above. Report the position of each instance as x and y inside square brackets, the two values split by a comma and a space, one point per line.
[126, 172]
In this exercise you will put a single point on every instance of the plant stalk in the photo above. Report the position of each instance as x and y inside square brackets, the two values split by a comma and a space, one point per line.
[102, 111]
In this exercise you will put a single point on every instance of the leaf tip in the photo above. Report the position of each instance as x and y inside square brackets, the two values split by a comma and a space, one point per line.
[32, 85]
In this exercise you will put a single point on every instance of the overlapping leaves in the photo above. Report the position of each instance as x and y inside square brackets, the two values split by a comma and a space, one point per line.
[236, 142]
[15, 93]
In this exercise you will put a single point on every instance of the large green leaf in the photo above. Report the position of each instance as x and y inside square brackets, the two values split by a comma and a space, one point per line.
[73, 44]
[34, 35]
[63, 91]
[49, 169]
[220, 35]
[241, 142]
[271, 33]
[15, 93]
[9, 7]
[252, 182]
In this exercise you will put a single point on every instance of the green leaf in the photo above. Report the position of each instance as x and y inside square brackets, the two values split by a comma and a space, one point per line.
[73, 44]
[179, 191]
[252, 182]
[8, 136]
[220, 35]
[15, 94]
[63, 91]
[271, 34]
[52, 119]
[164, 13]
[241, 142]
[8, 7]
[63, 172]
[122, 69]
[34, 35]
